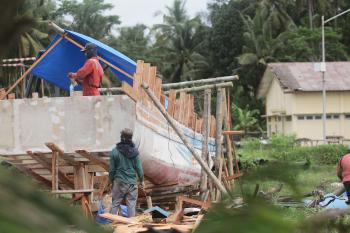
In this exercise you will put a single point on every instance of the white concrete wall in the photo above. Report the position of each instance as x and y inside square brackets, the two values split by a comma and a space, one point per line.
[91, 123]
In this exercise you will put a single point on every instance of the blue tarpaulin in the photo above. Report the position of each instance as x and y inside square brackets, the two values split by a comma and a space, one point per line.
[67, 57]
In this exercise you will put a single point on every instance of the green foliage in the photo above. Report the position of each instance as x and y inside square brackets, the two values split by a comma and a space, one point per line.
[284, 148]
[24, 209]
[89, 17]
[177, 44]
[247, 120]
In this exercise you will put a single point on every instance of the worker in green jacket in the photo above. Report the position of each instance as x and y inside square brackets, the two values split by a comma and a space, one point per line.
[124, 165]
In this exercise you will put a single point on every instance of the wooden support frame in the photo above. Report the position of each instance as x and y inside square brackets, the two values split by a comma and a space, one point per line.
[48, 165]
[93, 158]
[53, 147]
[37, 177]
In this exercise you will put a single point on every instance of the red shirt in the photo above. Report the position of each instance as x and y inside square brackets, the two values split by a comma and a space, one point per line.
[345, 166]
[92, 74]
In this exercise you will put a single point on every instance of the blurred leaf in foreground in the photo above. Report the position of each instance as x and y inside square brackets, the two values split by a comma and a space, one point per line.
[24, 209]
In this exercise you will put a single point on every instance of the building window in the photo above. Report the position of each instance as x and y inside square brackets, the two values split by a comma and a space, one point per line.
[336, 117]
[318, 117]
[347, 116]
[288, 118]
[309, 117]
[278, 118]
[329, 117]
[301, 117]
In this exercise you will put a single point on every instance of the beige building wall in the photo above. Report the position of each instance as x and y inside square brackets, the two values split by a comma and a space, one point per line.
[300, 113]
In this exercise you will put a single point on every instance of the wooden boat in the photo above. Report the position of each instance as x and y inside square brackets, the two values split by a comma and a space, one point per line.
[82, 131]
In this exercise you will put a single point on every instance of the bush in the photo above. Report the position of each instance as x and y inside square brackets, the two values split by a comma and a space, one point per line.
[284, 148]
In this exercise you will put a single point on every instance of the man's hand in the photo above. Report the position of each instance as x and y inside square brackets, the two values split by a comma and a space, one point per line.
[71, 75]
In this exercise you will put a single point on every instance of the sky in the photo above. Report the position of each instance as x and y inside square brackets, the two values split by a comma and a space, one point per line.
[132, 12]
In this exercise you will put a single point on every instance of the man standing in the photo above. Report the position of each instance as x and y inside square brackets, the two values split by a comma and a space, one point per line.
[91, 74]
[124, 164]
[343, 172]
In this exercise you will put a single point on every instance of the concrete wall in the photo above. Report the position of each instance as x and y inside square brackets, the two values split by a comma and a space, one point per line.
[91, 123]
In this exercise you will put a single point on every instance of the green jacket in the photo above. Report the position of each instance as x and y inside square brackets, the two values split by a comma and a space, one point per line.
[125, 167]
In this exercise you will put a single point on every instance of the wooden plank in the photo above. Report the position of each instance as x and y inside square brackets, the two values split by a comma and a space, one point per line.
[53, 147]
[145, 79]
[118, 218]
[54, 170]
[95, 159]
[171, 102]
[2, 93]
[139, 67]
[212, 126]
[152, 78]
[162, 100]
[176, 114]
[128, 90]
[235, 176]
[137, 85]
[158, 87]
[182, 107]
[233, 132]
[47, 164]
[204, 204]
[73, 191]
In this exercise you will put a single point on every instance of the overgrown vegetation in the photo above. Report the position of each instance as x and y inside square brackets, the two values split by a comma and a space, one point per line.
[285, 148]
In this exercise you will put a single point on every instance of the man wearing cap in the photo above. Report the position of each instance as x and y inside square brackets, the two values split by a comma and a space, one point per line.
[343, 172]
[124, 165]
[91, 74]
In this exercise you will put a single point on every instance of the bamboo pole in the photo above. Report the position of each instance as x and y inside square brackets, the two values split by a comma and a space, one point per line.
[218, 136]
[205, 133]
[201, 81]
[31, 68]
[172, 122]
[202, 88]
[227, 138]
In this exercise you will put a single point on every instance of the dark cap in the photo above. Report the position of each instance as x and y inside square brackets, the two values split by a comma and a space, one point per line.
[89, 46]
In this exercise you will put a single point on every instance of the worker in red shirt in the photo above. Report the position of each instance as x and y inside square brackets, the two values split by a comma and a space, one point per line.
[343, 172]
[91, 74]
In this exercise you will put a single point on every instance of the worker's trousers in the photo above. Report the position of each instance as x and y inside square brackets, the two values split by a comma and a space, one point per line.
[123, 191]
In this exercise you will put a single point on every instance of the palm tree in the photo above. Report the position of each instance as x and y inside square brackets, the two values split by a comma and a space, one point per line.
[89, 17]
[177, 44]
[132, 41]
[246, 119]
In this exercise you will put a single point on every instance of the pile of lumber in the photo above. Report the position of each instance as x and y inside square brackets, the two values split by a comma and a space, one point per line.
[175, 222]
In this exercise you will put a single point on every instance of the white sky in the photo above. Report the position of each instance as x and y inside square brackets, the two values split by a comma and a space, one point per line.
[132, 12]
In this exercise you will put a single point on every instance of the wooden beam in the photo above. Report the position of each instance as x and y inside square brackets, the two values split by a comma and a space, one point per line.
[54, 170]
[87, 191]
[201, 81]
[204, 204]
[118, 218]
[235, 176]
[93, 158]
[171, 102]
[202, 88]
[232, 132]
[48, 165]
[53, 147]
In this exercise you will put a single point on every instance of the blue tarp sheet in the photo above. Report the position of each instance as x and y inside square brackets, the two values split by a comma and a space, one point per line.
[332, 201]
[67, 57]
